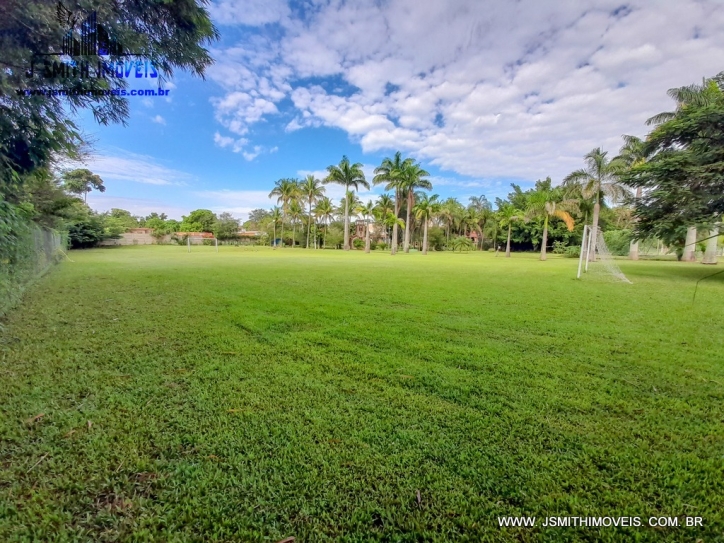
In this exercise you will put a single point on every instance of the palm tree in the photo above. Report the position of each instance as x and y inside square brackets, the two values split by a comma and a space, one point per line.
[411, 178]
[347, 175]
[275, 216]
[366, 210]
[426, 208]
[598, 179]
[549, 203]
[696, 95]
[634, 153]
[324, 210]
[393, 221]
[312, 190]
[508, 214]
[450, 213]
[461, 243]
[285, 190]
[388, 172]
[385, 205]
[296, 212]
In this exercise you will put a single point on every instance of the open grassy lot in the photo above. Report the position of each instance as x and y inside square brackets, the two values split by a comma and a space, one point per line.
[256, 395]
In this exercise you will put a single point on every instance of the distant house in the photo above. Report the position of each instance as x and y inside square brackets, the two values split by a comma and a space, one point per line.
[206, 235]
[136, 236]
[249, 234]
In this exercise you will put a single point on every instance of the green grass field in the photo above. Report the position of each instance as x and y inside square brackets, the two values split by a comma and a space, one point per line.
[256, 395]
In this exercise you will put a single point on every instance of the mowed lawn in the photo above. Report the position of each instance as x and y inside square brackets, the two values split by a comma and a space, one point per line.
[254, 395]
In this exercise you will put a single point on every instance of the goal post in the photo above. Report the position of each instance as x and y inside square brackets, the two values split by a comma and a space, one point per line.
[201, 240]
[595, 252]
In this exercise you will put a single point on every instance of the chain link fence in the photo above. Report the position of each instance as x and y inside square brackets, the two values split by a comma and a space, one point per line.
[27, 251]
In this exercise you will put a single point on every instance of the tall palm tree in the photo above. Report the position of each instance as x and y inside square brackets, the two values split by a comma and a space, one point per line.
[389, 173]
[507, 215]
[483, 213]
[450, 213]
[633, 153]
[549, 203]
[296, 212]
[393, 221]
[597, 180]
[312, 190]
[285, 190]
[347, 175]
[411, 178]
[385, 205]
[426, 209]
[366, 210]
[275, 216]
[324, 210]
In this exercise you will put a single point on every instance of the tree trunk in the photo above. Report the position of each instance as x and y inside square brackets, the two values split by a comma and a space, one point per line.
[367, 237]
[407, 226]
[594, 230]
[274, 241]
[633, 249]
[711, 246]
[281, 235]
[424, 240]
[324, 239]
[690, 245]
[507, 247]
[545, 239]
[394, 226]
[482, 238]
[294, 233]
[346, 220]
[309, 222]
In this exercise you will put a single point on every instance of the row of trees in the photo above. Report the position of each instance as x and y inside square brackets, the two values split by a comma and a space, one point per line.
[664, 186]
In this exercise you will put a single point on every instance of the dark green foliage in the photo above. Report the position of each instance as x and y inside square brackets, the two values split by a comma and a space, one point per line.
[618, 241]
[199, 220]
[683, 181]
[86, 231]
[226, 227]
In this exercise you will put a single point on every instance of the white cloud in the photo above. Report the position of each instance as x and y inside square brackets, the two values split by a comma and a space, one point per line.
[237, 202]
[485, 89]
[137, 206]
[159, 120]
[119, 165]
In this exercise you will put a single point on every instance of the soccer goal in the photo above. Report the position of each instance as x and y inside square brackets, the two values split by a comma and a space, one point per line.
[596, 258]
[198, 240]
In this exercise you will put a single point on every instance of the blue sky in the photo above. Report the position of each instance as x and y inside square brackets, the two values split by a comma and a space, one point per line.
[482, 93]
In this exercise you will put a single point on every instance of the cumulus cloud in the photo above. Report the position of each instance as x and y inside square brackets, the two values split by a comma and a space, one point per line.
[158, 119]
[483, 89]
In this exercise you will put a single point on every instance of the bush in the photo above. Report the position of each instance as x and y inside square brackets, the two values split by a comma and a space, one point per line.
[572, 251]
[559, 247]
[358, 243]
[382, 246]
[618, 241]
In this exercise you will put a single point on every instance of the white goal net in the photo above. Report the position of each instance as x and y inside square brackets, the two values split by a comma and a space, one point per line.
[595, 257]
[198, 240]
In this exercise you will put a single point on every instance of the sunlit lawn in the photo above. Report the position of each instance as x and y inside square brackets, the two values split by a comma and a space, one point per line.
[255, 395]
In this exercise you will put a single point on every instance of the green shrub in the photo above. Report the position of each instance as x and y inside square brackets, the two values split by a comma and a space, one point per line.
[572, 251]
[358, 243]
[559, 247]
[382, 246]
[618, 241]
